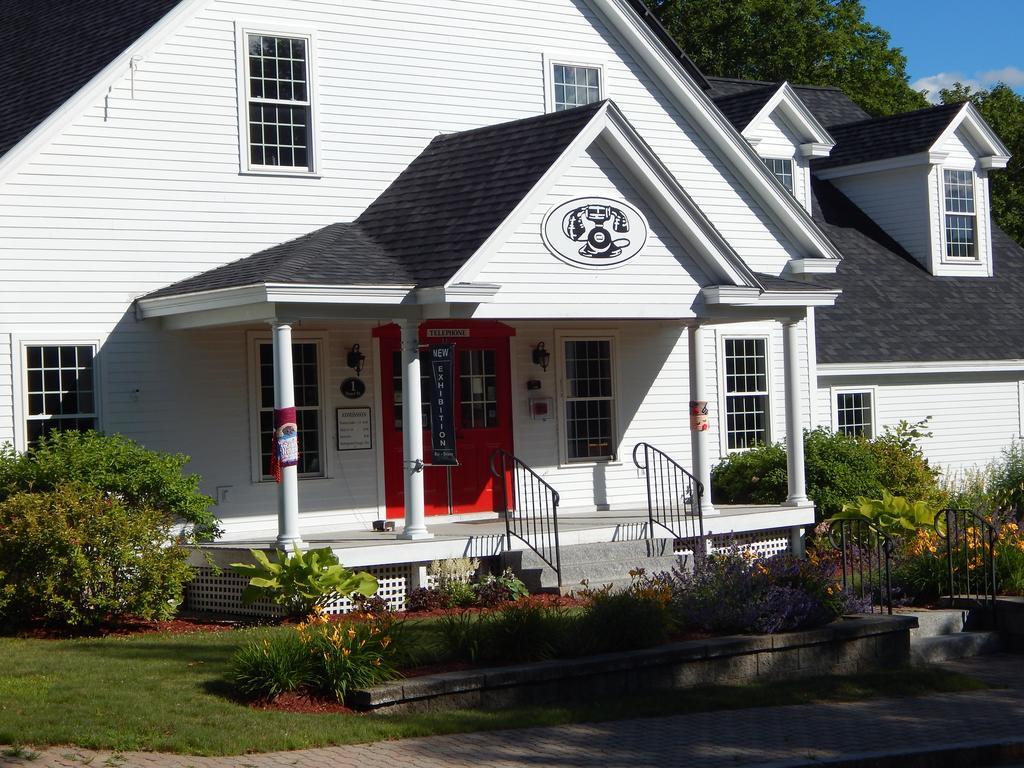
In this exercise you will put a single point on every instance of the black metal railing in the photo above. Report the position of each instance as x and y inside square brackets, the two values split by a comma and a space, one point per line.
[865, 554]
[530, 505]
[970, 544]
[673, 494]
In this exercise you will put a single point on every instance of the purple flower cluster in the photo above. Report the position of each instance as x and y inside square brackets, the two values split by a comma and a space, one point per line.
[736, 592]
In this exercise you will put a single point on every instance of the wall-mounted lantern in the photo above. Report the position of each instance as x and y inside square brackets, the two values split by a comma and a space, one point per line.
[541, 356]
[355, 359]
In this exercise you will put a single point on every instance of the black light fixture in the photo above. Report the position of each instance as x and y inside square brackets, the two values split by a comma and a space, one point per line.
[355, 359]
[541, 356]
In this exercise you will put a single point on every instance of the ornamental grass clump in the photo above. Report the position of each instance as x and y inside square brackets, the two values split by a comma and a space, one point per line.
[738, 591]
[320, 658]
[639, 616]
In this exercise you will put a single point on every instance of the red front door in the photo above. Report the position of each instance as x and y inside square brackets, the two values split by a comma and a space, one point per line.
[483, 415]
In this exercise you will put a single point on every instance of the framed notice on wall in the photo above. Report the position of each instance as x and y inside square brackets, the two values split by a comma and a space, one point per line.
[355, 430]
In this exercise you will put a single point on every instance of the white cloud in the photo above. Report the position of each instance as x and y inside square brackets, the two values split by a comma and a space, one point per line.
[935, 83]
[1012, 76]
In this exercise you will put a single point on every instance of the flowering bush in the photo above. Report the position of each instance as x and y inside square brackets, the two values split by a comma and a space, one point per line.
[741, 592]
[321, 657]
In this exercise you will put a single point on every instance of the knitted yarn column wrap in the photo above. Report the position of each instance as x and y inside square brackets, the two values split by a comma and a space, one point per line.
[285, 449]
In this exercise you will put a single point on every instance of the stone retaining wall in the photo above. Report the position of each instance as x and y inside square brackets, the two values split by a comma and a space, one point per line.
[854, 644]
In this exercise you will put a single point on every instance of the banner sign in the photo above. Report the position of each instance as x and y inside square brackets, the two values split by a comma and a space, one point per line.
[442, 413]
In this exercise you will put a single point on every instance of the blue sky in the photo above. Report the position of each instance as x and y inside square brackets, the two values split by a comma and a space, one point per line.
[977, 42]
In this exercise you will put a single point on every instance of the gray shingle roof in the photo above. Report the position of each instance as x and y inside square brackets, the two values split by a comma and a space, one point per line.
[830, 106]
[51, 48]
[893, 310]
[339, 254]
[883, 137]
[741, 108]
[423, 227]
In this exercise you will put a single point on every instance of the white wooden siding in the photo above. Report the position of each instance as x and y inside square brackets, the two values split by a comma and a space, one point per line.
[662, 280]
[898, 201]
[973, 416]
[6, 390]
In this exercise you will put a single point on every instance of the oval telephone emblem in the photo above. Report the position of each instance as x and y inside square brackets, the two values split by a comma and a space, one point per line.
[594, 232]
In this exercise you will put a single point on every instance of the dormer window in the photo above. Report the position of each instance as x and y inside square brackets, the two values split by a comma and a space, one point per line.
[961, 217]
[782, 168]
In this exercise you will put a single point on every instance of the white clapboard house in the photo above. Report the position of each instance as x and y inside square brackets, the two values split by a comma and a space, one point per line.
[213, 211]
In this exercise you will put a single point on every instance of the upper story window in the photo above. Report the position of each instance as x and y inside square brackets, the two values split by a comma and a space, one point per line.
[278, 108]
[961, 216]
[782, 167]
[60, 389]
[575, 86]
[746, 392]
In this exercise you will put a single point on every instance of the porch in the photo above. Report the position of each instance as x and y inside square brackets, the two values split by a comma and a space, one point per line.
[401, 565]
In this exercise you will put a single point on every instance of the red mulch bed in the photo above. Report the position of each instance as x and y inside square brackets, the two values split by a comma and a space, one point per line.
[303, 704]
[182, 625]
[561, 601]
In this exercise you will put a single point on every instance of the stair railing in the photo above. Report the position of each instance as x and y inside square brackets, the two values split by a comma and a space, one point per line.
[970, 542]
[866, 560]
[530, 505]
[673, 494]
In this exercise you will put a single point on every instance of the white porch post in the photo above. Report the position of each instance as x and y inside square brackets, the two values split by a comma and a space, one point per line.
[699, 441]
[412, 420]
[284, 397]
[794, 418]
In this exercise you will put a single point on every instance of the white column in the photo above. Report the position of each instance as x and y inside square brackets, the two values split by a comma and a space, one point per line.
[284, 397]
[699, 441]
[794, 419]
[412, 434]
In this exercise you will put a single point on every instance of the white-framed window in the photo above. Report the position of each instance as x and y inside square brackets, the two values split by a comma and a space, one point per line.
[747, 388]
[277, 84]
[961, 219]
[60, 388]
[588, 398]
[574, 85]
[854, 412]
[307, 371]
[782, 169]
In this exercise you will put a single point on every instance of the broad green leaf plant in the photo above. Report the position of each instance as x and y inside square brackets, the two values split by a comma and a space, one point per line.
[302, 581]
[893, 515]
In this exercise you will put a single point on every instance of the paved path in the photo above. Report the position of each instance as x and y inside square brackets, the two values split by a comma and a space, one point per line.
[776, 736]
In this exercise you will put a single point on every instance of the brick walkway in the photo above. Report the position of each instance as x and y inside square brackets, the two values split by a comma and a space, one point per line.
[793, 735]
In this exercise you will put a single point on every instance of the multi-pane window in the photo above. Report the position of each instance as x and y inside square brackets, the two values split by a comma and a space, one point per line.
[478, 388]
[961, 238]
[853, 413]
[279, 102]
[60, 389]
[746, 393]
[589, 399]
[575, 86]
[305, 369]
[782, 167]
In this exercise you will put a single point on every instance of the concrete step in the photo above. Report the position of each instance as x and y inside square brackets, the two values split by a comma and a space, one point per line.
[937, 622]
[598, 564]
[931, 650]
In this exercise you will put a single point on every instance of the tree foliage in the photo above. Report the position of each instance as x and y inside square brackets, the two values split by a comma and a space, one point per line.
[1003, 110]
[806, 42]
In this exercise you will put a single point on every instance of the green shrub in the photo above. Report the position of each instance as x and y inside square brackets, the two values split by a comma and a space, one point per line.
[894, 515]
[757, 476]
[1008, 480]
[527, 631]
[265, 668]
[75, 556]
[624, 621]
[839, 469]
[140, 478]
[302, 581]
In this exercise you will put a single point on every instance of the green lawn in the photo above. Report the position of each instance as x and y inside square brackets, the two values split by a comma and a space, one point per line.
[166, 693]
